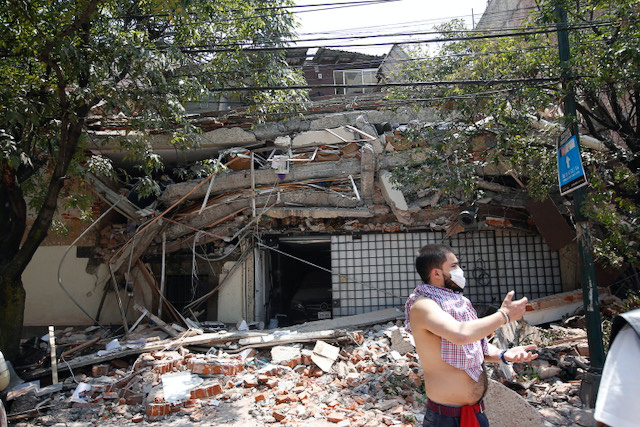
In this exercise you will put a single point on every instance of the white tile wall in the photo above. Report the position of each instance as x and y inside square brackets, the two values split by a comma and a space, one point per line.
[376, 271]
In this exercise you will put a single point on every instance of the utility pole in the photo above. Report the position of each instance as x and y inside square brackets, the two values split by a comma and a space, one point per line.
[589, 284]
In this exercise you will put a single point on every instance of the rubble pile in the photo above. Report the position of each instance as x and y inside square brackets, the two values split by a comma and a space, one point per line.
[362, 382]
[368, 377]
[551, 383]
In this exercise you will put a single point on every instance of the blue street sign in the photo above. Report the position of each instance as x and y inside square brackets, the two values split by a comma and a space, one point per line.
[570, 171]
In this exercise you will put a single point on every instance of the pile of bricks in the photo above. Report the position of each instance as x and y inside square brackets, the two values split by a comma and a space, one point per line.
[373, 380]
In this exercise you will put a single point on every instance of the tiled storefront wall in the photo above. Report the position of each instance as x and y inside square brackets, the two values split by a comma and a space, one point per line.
[376, 271]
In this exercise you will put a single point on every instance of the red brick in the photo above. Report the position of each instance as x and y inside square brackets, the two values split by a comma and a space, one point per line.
[272, 383]
[415, 379]
[137, 418]
[282, 398]
[100, 370]
[262, 379]
[251, 382]
[260, 396]
[292, 363]
[293, 398]
[175, 407]
[157, 410]
[336, 417]
[278, 415]
[215, 367]
[134, 399]
[316, 372]
[217, 389]
[110, 395]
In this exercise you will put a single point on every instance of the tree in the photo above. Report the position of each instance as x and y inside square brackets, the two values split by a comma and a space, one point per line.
[605, 50]
[63, 60]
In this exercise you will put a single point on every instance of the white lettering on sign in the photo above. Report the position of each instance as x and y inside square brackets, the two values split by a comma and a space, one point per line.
[567, 147]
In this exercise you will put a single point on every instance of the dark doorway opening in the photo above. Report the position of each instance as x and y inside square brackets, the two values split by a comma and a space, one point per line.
[182, 290]
[301, 291]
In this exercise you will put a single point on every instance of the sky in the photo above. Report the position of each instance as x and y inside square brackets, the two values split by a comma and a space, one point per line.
[402, 16]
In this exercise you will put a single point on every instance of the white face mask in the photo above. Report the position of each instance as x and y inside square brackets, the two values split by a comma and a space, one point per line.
[457, 277]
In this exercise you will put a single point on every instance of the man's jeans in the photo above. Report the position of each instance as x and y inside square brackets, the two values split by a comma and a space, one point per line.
[433, 419]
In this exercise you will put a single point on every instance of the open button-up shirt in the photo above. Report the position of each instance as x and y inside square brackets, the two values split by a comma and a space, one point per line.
[467, 357]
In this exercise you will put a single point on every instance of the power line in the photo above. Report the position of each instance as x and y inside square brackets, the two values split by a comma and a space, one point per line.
[392, 84]
[396, 34]
[332, 67]
[207, 49]
[350, 104]
[326, 6]
[403, 34]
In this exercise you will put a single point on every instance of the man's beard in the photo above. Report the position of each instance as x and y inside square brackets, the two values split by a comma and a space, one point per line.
[449, 284]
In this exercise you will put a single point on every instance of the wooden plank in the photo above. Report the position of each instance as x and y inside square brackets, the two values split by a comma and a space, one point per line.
[80, 347]
[158, 321]
[124, 206]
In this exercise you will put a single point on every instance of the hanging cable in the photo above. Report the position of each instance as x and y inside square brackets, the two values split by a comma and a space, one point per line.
[331, 271]
[95, 322]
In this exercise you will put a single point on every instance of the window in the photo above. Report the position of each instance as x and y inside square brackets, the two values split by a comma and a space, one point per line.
[355, 77]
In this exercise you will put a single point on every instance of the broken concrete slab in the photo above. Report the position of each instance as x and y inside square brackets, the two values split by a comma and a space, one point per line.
[367, 174]
[401, 343]
[309, 197]
[324, 355]
[355, 321]
[555, 307]
[272, 130]
[334, 136]
[232, 181]
[279, 337]
[226, 137]
[394, 197]
[506, 408]
[318, 213]
[282, 354]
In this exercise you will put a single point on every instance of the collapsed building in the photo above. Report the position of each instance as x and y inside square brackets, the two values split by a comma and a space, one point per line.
[305, 223]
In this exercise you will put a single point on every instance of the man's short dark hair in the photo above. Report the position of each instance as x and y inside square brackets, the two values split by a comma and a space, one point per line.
[430, 257]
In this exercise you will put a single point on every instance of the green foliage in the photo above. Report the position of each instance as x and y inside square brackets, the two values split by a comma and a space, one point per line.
[134, 64]
[200, 169]
[443, 164]
[631, 302]
[605, 60]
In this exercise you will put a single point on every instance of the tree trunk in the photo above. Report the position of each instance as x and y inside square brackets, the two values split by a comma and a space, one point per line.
[12, 298]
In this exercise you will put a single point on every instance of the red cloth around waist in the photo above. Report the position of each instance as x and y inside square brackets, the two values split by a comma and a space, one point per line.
[465, 413]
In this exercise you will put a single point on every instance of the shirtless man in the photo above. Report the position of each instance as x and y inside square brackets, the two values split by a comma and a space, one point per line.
[451, 340]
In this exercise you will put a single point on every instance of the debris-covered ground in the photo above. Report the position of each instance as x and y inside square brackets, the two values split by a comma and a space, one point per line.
[365, 377]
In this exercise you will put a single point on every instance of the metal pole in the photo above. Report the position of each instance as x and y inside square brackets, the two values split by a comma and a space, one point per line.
[589, 284]
[591, 379]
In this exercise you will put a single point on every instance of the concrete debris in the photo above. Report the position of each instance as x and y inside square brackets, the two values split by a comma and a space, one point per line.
[324, 355]
[371, 378]
[555, 307]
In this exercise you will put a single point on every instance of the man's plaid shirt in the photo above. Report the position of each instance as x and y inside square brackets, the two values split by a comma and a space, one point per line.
[468, 357]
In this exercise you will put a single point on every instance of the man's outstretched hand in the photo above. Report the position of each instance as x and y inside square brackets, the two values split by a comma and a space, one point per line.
[515, 309]
[520, 354]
